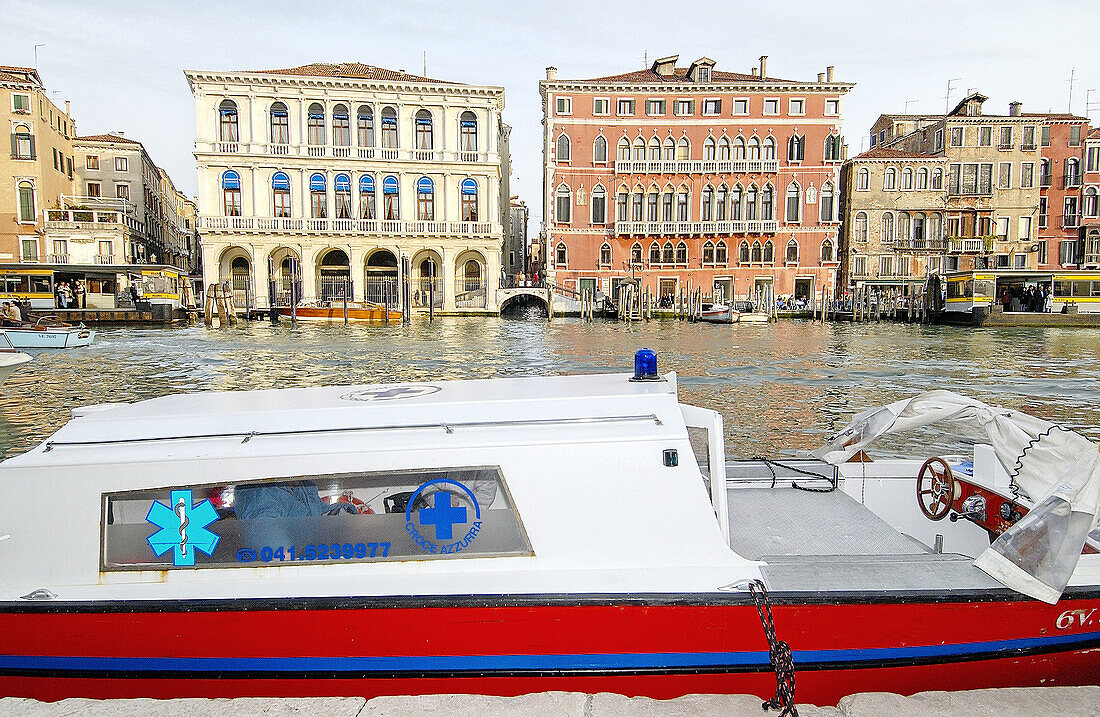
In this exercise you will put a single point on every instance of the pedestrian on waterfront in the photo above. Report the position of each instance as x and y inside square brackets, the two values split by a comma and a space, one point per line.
[1006, 299]
[133, 294]
[81, 294]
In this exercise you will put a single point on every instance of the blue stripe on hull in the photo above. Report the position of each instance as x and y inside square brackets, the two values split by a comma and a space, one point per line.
[535, 663]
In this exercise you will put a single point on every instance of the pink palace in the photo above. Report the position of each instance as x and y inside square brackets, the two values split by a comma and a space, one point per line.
[684, 178]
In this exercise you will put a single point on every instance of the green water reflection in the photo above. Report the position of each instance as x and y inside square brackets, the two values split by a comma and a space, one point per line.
[780, 387]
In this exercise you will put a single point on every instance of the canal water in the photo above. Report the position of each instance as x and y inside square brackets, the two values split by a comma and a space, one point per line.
[781, 387]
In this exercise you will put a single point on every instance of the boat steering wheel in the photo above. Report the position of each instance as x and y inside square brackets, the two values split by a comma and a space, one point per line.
[935, 488]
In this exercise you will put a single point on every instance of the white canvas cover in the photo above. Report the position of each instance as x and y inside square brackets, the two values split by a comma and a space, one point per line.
[1057, 472]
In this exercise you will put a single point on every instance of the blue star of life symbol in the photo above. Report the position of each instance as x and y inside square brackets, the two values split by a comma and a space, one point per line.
[182, 528]
[442, 515]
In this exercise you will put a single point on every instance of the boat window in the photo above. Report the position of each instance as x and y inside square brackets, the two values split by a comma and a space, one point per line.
[960, 289]
[338, 518]
[984, 288]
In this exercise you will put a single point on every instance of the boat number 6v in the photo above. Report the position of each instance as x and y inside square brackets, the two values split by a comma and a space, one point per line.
[1071, 618]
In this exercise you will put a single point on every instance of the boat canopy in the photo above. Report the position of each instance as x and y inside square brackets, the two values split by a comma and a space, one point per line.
[1056, 469]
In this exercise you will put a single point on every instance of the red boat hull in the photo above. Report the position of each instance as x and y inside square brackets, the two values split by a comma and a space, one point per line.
[657, 646]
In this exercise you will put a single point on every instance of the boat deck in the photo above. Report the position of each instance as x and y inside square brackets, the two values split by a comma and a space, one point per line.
[816, 541]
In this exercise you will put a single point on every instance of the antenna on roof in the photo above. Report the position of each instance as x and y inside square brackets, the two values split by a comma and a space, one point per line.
[1072, 76]
[907, 103]
[425, 73]
[947, 98]
[41, 44]
[645, 59]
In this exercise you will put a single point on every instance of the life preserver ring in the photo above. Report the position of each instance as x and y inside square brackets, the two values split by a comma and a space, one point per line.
[347, 497]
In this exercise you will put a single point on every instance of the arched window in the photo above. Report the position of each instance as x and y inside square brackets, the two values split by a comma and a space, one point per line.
[723, 149]
[743, 253]
[1044, 172]
[424, 134]
[720, 203]
[653, 199]
[639, 149]
[739, 148]
[668, 150]
[1072, 167]
[826, 203]
[365, 126]
[389, 130]
[922, 178]
[637, 200]
[793, 202]
[769, 252]
[666, 204]
[828, 256]
[366, 197]
[935, 226]
[890, 179]
[735, 203]
[341, 126]
[1089, 206]
[917, 230]
[833, 146]
[280, 124]
[751, 209]
[708, 253]
[231, 193]
[654, 253]
[654, 149]
[599, 149]
[636, 253]
[605, 254]
[425, 199]
[769, 148]
[907, 178]
[623, 150]
[859, 227]
[563, 148]
[469, 199]
[792, 252]
[887, 237]
[796, 148]
[564, 204]
[710, 149]
[280, 192]
[903, 226]
[391, 205]
[599, 204]
[341, 185]
[721, 254]
[471, 275]
[683, 149]
[315, 125]
[683, 202]
[937, 178]
[708, 204]
[767, 203]
[227, 121]
[318, 200]
[467, 133]
[26, 204]
[622, 207]
[560, 256]
[863, 179]
[682, 253]
[757, 253]
[754, 148]
[668, 254]
[24, 143]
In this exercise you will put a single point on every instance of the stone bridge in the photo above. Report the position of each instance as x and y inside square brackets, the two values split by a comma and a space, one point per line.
[518, 295]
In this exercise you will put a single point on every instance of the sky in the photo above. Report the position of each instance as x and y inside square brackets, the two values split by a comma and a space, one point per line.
[121, 63]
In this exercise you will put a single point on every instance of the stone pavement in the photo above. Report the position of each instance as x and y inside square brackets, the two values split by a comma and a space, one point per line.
[1007, 702]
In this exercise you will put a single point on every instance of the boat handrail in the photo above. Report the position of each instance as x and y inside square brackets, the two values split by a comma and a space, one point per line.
[447, 427]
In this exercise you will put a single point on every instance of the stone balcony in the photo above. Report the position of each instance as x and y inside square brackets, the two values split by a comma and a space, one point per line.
[752, 226]
[696, 166]
[347, 152]
[393, 227]
[90, 220]
[922, 244]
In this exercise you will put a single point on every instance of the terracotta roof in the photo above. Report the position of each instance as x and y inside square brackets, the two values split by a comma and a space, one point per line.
[887, 153]
[1054, 115]
[356, 70]
[10, 73]
[109, 138]
[648, 76]
[1094, 134]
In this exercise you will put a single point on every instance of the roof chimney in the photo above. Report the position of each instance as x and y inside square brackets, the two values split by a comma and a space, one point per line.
[551, 73]
[829, 73]
[1014, 109]
[67, 108]
[755, 72]
[763, 66]
[821, 77]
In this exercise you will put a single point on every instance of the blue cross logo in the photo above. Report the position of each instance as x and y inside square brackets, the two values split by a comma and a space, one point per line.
[443, 515]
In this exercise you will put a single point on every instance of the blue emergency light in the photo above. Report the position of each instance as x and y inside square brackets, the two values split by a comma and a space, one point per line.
[645, 366]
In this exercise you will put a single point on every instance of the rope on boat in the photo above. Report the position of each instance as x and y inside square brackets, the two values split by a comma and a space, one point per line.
[770, 465]
[778, 651]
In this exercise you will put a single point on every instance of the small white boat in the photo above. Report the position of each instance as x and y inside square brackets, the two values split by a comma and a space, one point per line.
[10, 359]
[48, 333]
[718, 313]
[754, 317]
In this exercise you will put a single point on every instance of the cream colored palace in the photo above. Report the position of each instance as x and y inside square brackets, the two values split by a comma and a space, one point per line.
[334, 177]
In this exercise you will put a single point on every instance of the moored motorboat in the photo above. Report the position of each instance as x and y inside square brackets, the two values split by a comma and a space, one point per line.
[718, 313]
[334, 311]
[10, 359]
[515, 535]
[48, 333]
